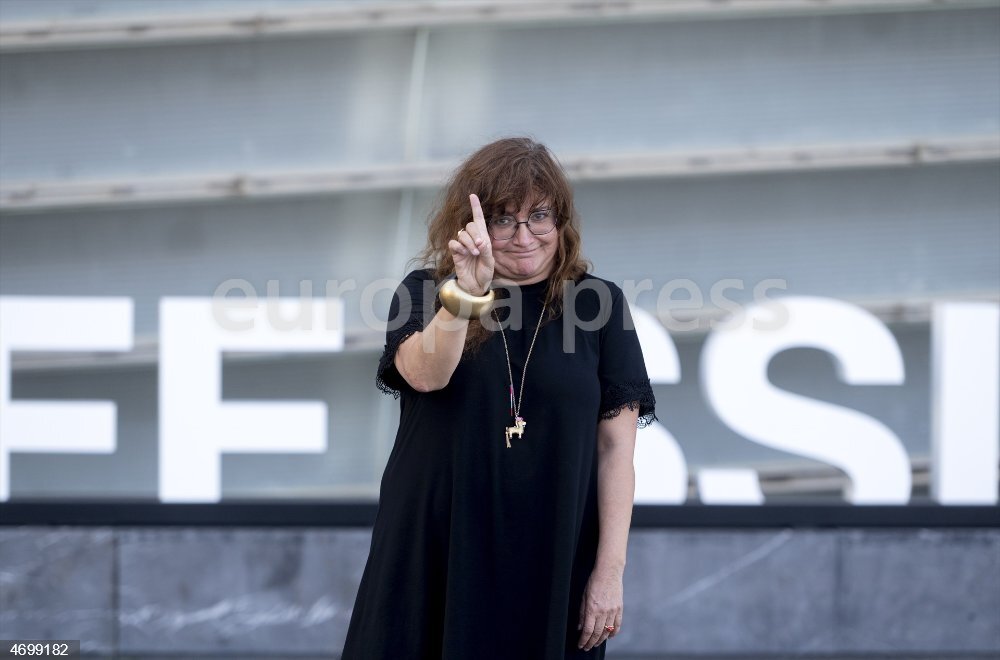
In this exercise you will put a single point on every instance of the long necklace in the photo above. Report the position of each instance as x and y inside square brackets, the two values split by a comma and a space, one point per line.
[515, 406]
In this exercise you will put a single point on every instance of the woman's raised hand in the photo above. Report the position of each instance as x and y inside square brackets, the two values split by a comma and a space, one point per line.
[472, 253]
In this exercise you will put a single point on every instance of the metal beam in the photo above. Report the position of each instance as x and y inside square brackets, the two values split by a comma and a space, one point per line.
[72, 195]
[74, 33]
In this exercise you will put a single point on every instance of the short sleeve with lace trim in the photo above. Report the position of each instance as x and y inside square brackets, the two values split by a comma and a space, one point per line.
[621, 369]
[407, 315]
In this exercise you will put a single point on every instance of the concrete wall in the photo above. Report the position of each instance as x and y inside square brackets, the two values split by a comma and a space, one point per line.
[805, 75]
[278, 592]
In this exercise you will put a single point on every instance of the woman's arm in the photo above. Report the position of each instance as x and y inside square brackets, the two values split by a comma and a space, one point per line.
[603, 598]
[427, 359]
[615, 487]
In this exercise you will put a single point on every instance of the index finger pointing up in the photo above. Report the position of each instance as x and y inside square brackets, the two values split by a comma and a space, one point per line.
[477, 214]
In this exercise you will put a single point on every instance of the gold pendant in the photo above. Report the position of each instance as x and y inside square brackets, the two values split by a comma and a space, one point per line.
[517, 429]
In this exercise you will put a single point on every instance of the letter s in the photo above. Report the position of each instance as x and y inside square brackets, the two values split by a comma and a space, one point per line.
[734, 379]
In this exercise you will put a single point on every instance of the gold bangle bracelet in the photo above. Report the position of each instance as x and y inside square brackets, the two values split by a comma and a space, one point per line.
[463, 304]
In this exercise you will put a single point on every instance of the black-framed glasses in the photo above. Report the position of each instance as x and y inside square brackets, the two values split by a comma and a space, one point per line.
[504, 227]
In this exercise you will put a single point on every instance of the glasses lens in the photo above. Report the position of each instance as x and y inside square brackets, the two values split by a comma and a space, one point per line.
[541, 222]
[502, 228]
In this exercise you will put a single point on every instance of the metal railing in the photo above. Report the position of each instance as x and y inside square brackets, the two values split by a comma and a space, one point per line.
[126, 31]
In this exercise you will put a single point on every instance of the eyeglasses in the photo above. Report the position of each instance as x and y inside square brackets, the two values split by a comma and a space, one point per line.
[504, 227]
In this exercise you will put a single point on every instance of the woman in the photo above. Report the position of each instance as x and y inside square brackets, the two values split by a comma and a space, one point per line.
[506, 501]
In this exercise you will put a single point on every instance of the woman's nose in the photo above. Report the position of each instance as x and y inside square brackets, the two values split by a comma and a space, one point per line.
[525, 237]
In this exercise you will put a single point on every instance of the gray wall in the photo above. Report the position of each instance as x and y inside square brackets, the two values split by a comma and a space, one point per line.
[235, 592]
[831, 77]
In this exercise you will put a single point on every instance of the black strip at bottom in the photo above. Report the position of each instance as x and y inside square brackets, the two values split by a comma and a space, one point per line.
[362, 514]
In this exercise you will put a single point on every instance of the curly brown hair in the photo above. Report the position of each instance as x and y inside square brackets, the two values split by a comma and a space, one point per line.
[506, 172]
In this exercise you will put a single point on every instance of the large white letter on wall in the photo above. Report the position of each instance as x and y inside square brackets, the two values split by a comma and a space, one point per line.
[734, 379]
[965, 363]
[660, 469]
[29, 323]
[196, 426]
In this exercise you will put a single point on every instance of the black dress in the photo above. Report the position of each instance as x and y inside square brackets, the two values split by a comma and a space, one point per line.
[478, 550]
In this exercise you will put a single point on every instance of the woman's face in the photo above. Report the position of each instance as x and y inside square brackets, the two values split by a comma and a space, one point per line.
[526, 258]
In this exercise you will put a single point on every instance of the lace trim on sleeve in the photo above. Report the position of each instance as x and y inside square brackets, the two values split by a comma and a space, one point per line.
[630, 395]
[386, 362]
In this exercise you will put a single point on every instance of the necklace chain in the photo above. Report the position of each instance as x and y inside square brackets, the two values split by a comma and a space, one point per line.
[520, 397]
